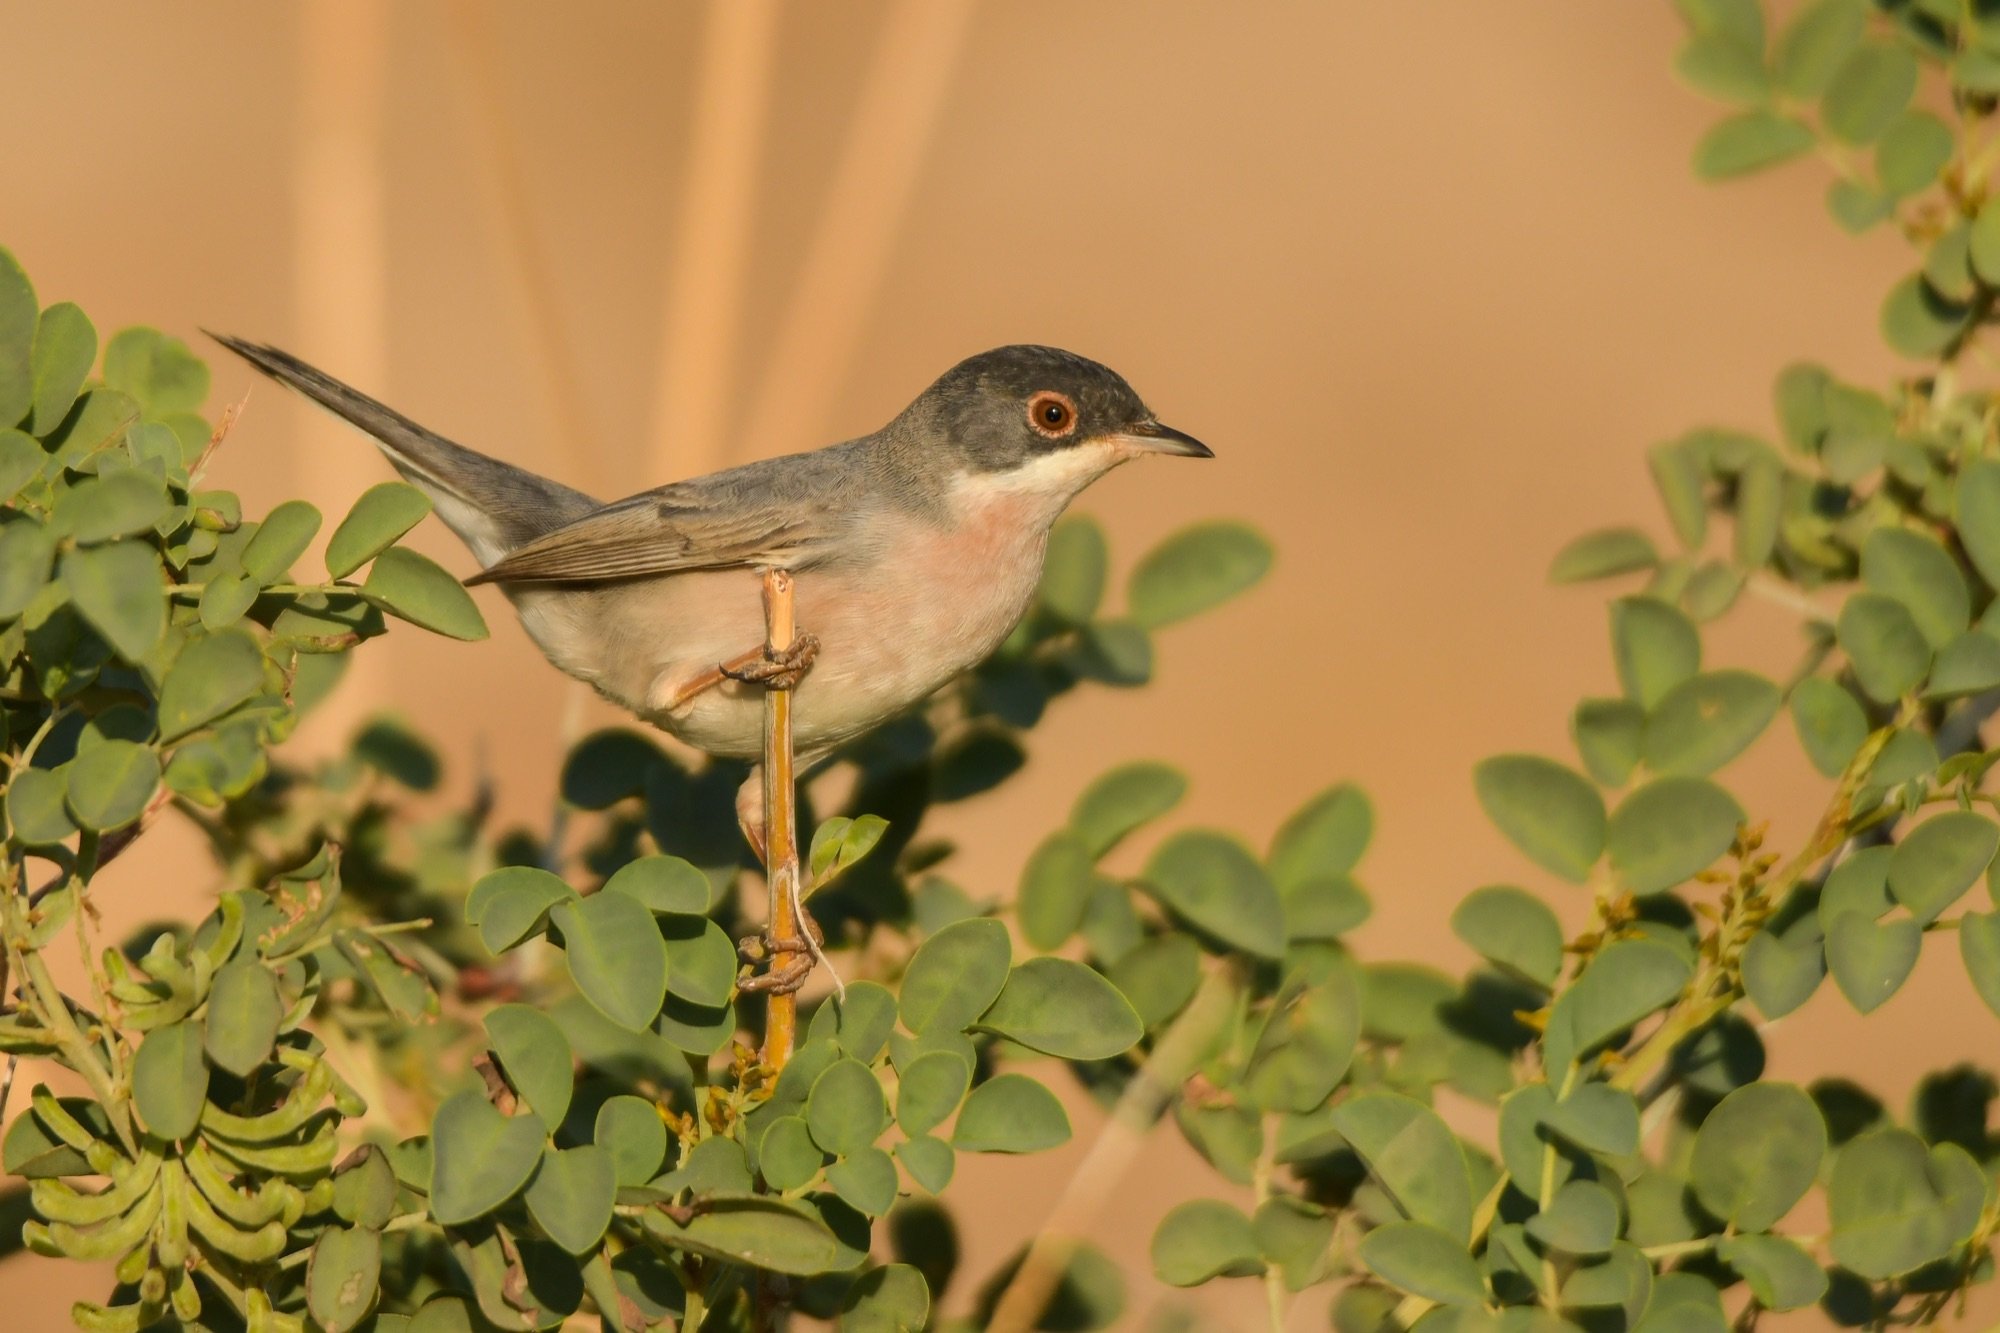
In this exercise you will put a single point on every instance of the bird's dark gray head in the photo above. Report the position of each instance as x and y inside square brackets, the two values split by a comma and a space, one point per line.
[1008, 407]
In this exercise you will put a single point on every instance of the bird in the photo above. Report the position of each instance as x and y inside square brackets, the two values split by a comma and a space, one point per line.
[915, 550]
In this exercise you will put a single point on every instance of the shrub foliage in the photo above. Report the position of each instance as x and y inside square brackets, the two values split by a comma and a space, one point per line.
[417, 1072]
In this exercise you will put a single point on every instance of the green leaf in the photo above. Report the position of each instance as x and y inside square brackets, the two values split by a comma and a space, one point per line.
[1598, 1118]
[1760, 498]
[1867, 91]
[1073, 570]
[1977, 497]
[1677, 476]
[1920, 574]
[889, 1299]
[929, 1089]
[17, 340]
[512, 903]
[365, 1188]
[225, 600]
[1608, 734]
[1912, 152]
[1948, 266]
[1627, 980]
[414, 588]
[615, 955]
[663, 884]
[1917, 321]
[1602, 555]
[1669, 829]
[212, 675]
[1204, 1239]
[1756, 1154]
[27, 553]
[1749, 142]
[245, 1012]
[1780, 975]
[955, 976]
[1553, 815]
[1830, 723]
[65, 347]
[1215, 884]
[631, 1131]
[865, 1181]
[1513, 928]
[1158, 975]
[1979, 945]
[1933, 864]
[571, 1196]
[157, 369]
[1969, 664]
[1871, 960]
[117, 588]
[344, 1277]
[701, 961]
[1707, 720]
[37, 810]
[1896, 1206]
[1425, 1262]
[118, 504]
[787, 1156]
[1195, 570]
[929, 1160]
[1305, 1048]
[1124, 799]
[21, 457]
[479, 1157]
[1010, 1113]
[1654, 646]
[399, 983]
[840, 843]
[1055, 886]
[1324, 839]
[846, 1111]
[772, 1234]
[1582, 1218]
[110, 784]
[1724, 69]
[170, 1080]
[382, 515]
[1782, 1276]
[279, 540]
[1413, 1155]
[535, 1056]
[1818, 39]
[1065, 1009]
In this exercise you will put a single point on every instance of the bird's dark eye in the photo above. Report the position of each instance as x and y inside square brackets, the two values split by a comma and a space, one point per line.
[1052, 413]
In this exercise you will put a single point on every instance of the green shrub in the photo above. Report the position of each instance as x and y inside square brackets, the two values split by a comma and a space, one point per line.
[565, 1107]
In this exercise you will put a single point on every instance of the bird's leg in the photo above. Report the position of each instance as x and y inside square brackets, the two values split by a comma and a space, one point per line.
[774, 669]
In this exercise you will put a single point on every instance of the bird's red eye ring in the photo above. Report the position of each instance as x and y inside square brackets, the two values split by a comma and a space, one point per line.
[1052, 414]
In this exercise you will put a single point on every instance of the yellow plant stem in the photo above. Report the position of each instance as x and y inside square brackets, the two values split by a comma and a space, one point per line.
[781, 843]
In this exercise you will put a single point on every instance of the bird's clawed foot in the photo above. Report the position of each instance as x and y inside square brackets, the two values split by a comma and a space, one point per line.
[799, 954]
[776, 670]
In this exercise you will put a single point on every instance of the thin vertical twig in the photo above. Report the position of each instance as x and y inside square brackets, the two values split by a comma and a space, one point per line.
[781, 844]
[701, 328]
[541, 312]
[913, 70]
[341, 272]
[1179, 1050]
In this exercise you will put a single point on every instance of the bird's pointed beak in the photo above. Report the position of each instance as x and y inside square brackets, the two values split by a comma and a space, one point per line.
[1154, 438]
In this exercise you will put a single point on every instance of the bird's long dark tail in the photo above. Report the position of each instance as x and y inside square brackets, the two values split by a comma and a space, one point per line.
[492, 506]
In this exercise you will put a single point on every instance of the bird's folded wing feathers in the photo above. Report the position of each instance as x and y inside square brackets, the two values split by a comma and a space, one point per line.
[659, 533]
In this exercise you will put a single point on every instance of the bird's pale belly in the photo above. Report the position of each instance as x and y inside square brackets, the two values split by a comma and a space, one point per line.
[890, 633]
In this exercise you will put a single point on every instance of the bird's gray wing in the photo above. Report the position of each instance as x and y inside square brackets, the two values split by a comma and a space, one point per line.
[673, 530]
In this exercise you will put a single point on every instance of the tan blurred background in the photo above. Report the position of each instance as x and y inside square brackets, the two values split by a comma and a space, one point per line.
[1428, 276]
